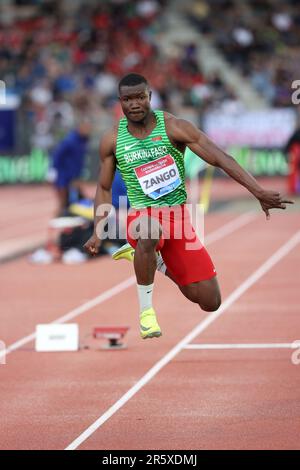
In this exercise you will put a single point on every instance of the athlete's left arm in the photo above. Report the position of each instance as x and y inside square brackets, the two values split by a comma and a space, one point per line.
[185, 132]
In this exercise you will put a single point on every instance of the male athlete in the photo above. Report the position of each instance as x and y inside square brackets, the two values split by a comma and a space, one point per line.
[148, 148]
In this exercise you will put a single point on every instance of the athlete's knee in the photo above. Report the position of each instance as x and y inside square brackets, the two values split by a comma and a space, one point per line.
[208, 303]
[147, 244]
[149, 229]
[192, 296]
[211, 305]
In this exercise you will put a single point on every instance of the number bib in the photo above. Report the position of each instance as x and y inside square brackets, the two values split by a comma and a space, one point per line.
[159, 177]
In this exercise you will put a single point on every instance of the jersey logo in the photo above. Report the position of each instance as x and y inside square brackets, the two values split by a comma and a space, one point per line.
[128, 147]
[154, 139]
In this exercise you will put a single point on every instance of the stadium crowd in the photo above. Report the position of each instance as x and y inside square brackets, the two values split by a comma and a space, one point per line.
[260, 37]
[64, 59]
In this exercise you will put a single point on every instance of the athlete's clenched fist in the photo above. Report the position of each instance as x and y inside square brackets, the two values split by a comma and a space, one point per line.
[92, 245]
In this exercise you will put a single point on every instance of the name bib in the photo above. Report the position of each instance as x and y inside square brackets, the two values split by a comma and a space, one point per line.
[159, 177]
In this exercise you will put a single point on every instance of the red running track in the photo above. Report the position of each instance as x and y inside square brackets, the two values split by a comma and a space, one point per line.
[26, 209]
[201, 399]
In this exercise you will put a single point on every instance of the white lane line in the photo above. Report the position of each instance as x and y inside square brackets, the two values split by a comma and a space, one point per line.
[223, 231]
[108, 294]
[230, 227]
[235, 295]
[243, 346]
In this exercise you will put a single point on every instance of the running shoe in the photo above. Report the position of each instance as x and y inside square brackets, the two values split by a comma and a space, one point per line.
[125, 252]
[149, 328]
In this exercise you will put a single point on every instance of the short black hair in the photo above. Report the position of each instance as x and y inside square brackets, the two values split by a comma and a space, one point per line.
[132, 79]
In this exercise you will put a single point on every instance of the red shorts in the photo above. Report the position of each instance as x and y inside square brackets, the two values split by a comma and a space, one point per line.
[185, 257]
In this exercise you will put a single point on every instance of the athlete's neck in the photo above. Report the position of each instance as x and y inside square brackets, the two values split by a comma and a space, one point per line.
[144, 127]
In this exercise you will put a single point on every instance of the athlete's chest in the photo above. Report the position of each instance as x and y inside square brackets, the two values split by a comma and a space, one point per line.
[133, 150]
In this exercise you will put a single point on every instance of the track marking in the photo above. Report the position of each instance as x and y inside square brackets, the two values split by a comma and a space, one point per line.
[243, 346]
[230, 227]
[235, 295]
[221, 232]
[76, 312]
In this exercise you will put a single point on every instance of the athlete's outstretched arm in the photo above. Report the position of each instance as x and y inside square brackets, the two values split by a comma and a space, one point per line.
[185, 132]
[103, 191]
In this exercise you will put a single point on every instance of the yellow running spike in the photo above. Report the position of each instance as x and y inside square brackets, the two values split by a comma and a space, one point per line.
[149, 328]
[125, 252]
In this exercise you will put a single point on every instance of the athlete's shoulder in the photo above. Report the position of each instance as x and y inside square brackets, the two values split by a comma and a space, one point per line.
[108, 141]
[169, 118]
[177, 128]
[173, 122]
[170, 123]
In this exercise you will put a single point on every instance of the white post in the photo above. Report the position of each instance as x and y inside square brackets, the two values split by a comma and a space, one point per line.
[2, 92]
[2, 353]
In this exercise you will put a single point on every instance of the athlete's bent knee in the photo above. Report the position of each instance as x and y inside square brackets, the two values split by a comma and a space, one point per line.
[211, 306]
[147, 245]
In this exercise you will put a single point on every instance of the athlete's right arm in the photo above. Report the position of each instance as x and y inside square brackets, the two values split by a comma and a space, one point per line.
[102, 201]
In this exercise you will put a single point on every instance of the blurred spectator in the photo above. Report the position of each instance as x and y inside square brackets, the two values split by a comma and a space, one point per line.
[67, 165]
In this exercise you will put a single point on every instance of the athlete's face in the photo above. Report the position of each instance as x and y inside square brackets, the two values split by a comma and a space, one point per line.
[135, 101]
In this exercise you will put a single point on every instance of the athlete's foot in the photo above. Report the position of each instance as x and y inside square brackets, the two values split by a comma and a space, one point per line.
[124, 252]
[149, 328]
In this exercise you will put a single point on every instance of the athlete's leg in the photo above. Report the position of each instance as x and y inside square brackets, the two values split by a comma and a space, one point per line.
[193, 271]
[205, 293]
[186, 265]
[148, 236]
[147, 233]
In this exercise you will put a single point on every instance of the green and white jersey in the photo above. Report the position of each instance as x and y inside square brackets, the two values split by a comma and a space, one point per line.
[152, 168]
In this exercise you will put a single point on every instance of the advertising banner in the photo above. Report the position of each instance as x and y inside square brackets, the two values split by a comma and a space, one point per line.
[269, 128]
[31, 168]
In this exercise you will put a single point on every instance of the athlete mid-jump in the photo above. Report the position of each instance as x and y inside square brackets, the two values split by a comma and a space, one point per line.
[148, 148]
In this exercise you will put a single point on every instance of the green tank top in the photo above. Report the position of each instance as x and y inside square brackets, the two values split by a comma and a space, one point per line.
[152, 168]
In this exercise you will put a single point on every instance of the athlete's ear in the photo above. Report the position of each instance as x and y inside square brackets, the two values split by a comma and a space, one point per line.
[150, 95]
